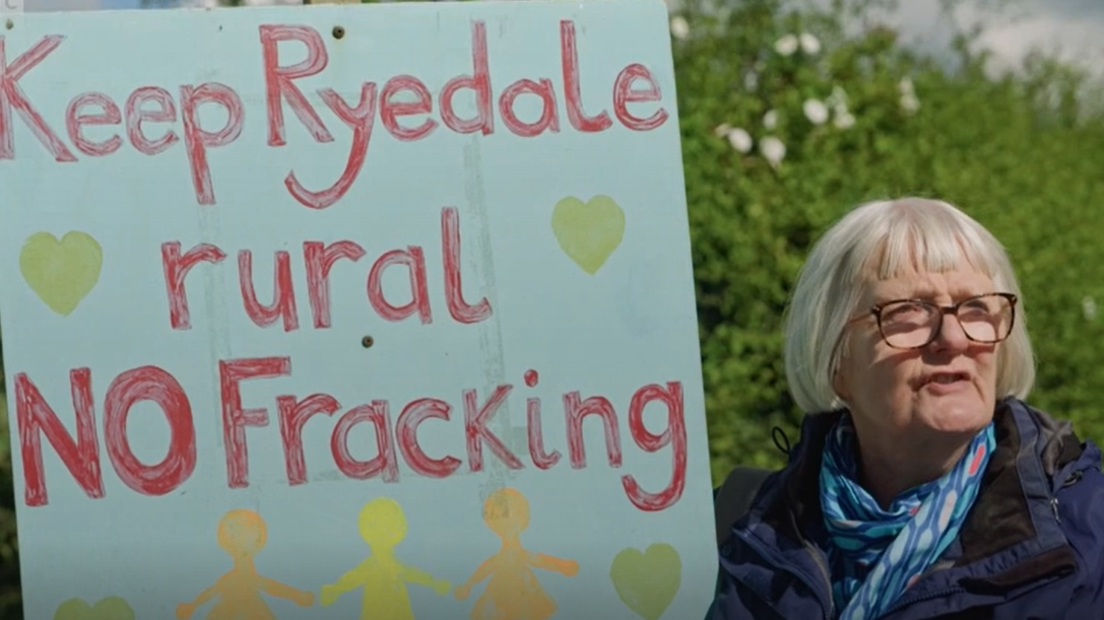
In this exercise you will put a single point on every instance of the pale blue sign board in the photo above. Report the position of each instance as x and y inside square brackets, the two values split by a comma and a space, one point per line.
[352, 312]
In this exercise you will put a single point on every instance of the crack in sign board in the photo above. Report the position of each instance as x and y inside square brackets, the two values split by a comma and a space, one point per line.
[490, 334]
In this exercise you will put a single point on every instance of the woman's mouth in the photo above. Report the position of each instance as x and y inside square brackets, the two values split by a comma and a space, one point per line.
[945, 382]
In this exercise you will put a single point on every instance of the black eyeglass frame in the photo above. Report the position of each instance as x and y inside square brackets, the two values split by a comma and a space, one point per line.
[876, 310]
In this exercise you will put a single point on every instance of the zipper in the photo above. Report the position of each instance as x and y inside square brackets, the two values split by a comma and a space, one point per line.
[937, 567]
[952, 590]
[1068, 482]
[927, 597]
[941, 565]
[825, 572]
[769, 555]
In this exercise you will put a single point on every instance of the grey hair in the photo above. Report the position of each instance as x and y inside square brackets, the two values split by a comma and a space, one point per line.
[881, 240]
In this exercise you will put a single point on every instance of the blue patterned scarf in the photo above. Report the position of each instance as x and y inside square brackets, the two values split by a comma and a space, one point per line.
[883, 552]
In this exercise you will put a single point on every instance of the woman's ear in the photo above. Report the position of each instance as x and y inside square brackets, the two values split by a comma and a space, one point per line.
[840, 387]
[839, 378]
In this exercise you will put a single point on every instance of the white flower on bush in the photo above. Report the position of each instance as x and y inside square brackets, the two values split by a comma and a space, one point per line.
[786, 45]
[1088, 308]
[740, 140]
[773, 150]
[809, 43]
[838, 102]
[722, 130]
[838, 98]
[680, 28]
[770, 119]
[815, 111]
[751, 81]
[909, 103]
[844, 120]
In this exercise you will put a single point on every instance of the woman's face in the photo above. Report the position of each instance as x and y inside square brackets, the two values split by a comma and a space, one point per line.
[946, 387]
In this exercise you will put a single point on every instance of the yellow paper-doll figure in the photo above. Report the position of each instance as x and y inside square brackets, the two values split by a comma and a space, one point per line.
[242, 534]
[513, 592]
[383, 526]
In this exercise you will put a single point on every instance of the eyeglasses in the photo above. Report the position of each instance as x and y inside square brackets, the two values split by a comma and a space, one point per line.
[915, 323]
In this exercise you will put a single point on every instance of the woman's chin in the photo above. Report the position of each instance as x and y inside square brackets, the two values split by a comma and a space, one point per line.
[957, 411]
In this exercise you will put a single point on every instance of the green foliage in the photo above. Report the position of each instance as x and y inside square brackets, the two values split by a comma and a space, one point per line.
[1016, 153]
[1019, 154]
[10, 596]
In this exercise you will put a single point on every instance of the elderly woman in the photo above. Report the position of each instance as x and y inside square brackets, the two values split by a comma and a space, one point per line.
[923, 485]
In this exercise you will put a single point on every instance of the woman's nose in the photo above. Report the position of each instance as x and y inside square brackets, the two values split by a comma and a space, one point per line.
[951, 335]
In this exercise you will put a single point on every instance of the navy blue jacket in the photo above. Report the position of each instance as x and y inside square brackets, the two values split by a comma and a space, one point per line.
[1032, 547]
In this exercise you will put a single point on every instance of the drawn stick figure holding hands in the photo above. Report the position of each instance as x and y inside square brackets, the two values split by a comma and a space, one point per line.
[242, 534]
[383, 526]
[513, 592]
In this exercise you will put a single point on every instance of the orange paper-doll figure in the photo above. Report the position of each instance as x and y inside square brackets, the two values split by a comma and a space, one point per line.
[242, 534]
[513, 592]
[382, 525]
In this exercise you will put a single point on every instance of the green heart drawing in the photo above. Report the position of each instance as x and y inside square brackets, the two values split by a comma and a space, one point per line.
[588, 232]
[647, 582]
[110, 608]
[61, 272]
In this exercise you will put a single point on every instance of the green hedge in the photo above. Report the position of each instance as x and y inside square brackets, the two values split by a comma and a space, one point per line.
[1017, 153]
[10, 607]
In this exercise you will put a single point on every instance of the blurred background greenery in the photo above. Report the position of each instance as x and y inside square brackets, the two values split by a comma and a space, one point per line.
[793, 113]
[859, 116]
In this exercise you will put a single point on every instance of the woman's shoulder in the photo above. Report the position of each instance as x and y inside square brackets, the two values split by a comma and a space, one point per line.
[1056, 442]
[1079, 491]
[1073, 465]
[1079, 509]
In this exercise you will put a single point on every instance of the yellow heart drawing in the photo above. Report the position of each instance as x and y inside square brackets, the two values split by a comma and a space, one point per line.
[110, 608]
[647, 582]
[62, 272]
[588, 232]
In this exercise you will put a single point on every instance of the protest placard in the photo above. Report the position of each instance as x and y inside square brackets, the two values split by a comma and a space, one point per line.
[8, 7]
[352, 312]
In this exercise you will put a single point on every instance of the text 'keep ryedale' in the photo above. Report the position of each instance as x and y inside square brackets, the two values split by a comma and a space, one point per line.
[404, 106]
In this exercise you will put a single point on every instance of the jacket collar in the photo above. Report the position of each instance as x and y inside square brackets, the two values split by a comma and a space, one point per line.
[1011, 537]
